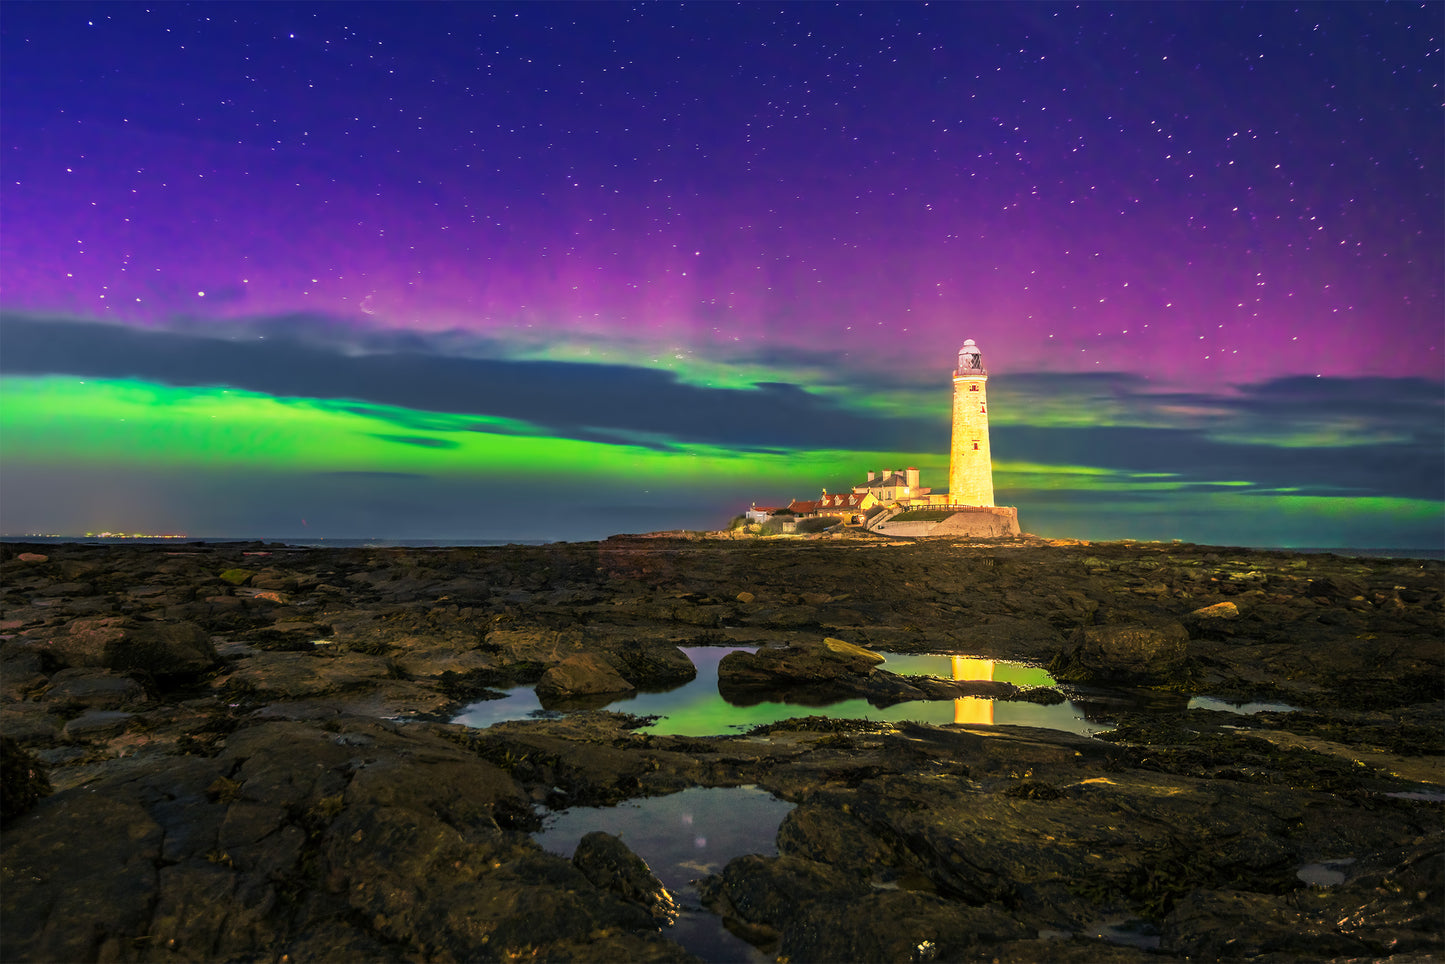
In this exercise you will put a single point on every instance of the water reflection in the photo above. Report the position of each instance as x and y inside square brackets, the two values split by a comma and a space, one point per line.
[1244, 709]
[698, 709]
[683, 837]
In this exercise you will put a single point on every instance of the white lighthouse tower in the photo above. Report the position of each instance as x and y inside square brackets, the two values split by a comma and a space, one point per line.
[970, 465]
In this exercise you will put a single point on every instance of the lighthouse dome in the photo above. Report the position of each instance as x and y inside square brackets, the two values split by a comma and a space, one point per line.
[970, 359]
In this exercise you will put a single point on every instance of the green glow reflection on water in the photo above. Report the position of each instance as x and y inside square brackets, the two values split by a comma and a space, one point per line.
[697, 709]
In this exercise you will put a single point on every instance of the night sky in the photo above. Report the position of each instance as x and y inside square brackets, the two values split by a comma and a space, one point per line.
[555, 271]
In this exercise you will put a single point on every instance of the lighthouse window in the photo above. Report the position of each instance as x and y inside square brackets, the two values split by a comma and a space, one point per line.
[983, 409]
[973, 388]
[975, 446]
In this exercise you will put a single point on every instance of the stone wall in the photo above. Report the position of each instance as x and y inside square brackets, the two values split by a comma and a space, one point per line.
[982, 522]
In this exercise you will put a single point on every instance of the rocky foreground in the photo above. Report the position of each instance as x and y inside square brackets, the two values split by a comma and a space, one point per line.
[247, 757]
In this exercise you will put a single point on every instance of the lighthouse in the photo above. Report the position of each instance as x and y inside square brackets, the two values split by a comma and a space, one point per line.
[970, 466]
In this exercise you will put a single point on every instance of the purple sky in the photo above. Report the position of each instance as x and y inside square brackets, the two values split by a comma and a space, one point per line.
[1153, 217]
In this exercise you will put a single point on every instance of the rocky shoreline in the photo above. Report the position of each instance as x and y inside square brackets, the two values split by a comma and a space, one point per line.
[247, 757]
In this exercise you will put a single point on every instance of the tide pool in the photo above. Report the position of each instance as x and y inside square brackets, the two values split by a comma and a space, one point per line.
[698, 709]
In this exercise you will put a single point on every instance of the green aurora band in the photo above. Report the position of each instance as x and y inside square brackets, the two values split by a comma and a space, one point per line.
[54, 426]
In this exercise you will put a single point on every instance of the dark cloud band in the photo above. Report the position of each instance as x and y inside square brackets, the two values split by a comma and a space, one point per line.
[573, 400]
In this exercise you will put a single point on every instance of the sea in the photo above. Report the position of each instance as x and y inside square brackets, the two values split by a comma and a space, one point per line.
[304, 542]
[312, 542]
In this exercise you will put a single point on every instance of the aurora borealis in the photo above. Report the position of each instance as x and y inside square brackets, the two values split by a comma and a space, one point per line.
[471, 271]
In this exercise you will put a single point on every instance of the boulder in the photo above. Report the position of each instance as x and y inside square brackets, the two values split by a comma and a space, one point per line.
[1212, 622]
[1155, 652]
[586, 674]
[770, 892]
[828, 834]
[816, 673]
[1224, 610]
[811, 661]
[98, 725]
[162, 649]
[99, 690]
[611, 865]
[653, 665]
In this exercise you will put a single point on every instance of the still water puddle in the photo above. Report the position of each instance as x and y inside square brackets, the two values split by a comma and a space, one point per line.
[683, 837]
[1326, 873]
[1244, 709]
[698, 709]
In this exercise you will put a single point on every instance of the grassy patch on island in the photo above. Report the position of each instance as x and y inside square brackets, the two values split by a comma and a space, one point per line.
[922, 515]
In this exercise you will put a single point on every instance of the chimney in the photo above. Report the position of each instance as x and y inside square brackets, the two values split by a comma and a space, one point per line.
[870, 476]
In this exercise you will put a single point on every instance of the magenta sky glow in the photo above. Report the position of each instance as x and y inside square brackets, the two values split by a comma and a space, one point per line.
[1199, 200]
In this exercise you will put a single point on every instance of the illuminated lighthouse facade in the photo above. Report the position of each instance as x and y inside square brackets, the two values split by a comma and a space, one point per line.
[970, 465]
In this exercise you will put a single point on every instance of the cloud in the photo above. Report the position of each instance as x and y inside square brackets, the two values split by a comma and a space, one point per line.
[1398, 470]
[1293, 410]
[572, 400]
[421, 441]
[363, 474]
[1338, 437]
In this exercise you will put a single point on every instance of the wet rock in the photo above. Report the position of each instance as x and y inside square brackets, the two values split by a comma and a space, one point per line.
[653, 665]
[293, 676]
[1042, 695]
[897, 926]
[100, 690]
[1224, 925]
[771, 892]
[439, 660]
[1144, 652]
[63, 902]
[97, 724]
[808, 662]
[813, 673]
[832, 836]
[185, 919]
[271, 813]
[1224, 610]
[21, 671]
[1401, 910]
[23, 780]
[578, 676]
[31, 723]
[610, 864]
[162, 649]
